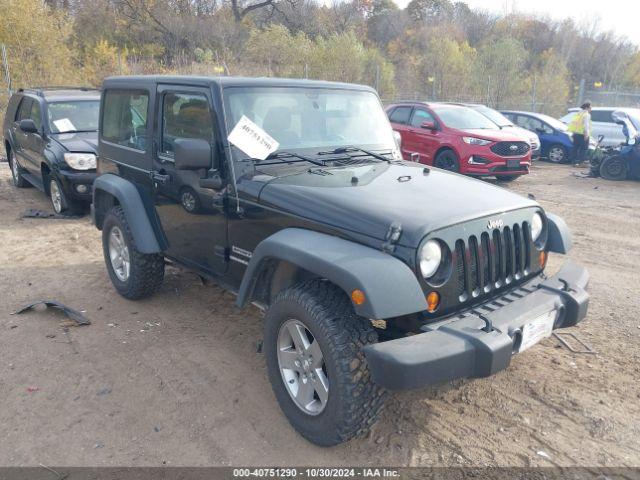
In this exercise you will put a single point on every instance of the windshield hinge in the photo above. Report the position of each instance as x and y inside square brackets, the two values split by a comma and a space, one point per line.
[391, 238]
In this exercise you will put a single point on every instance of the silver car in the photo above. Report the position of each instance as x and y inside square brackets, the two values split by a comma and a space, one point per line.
[604, 124]
[505, 124]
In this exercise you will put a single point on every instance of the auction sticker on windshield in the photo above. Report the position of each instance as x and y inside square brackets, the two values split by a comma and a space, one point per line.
[252, 139]
[537, 329]
[64, 125]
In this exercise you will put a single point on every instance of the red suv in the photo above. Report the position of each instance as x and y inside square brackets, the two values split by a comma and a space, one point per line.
[458, 138]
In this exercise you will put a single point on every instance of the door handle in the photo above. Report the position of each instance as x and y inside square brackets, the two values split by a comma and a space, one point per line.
[160, 178]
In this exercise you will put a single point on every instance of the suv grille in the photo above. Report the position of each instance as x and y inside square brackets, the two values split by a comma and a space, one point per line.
[510, 149]
[491, 260]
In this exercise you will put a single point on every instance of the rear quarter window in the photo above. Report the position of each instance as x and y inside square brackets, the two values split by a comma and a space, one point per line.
[124, 118]
[602, 116]
[400, 115]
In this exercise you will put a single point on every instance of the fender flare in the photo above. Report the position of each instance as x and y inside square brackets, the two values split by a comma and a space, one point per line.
[144, 236]
[559, 239]
[390, 286]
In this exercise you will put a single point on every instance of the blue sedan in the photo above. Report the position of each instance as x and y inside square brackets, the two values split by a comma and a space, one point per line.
[556, 143]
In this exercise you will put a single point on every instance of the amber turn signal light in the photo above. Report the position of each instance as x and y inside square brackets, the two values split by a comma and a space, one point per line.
[358, 297]
[433, 300]
[542, 258]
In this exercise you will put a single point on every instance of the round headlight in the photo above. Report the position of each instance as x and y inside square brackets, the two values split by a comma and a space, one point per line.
[430, 258]
[536, 226]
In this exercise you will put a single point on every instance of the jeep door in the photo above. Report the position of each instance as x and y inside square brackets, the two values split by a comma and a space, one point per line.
[192, 217]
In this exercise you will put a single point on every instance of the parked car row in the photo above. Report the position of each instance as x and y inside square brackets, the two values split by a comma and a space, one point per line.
[375, 273]
[461, 139]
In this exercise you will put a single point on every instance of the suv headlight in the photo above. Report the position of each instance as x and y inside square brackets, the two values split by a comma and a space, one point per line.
[429, 258]
[536, 226]
[475, 141]
[80, 161]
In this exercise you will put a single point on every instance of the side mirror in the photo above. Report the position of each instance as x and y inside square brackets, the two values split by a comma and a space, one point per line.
[428, 125]
[191, 154]
[28, 126]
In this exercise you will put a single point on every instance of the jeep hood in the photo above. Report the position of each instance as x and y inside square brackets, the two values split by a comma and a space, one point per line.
[83, 142]
[367, 199]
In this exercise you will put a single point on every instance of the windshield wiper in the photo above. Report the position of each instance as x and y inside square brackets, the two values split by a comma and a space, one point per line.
[346, 150]
[288, 157]
[77, 131]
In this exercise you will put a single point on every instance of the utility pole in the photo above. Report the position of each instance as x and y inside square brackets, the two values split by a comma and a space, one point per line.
[581, 92]
[533, 93]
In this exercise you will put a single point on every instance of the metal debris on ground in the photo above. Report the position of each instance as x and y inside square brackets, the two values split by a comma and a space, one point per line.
[585, 347]
[74, 315]
[36, 213]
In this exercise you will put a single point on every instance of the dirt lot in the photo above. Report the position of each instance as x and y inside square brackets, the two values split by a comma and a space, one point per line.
[176, 379]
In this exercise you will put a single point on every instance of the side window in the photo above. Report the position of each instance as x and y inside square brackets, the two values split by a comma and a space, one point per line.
[400, 115]
[602, 116]
[36, 114]
[124, 118]
[24, 110]
[420, 116]
[529, 123]
[184, 115]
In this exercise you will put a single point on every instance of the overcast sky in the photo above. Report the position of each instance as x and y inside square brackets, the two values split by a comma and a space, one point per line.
[621, 16]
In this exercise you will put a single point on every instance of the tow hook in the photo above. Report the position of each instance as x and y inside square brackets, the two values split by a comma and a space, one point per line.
[488, 325]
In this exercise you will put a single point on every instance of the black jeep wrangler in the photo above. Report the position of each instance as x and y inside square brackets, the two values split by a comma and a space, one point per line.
[51, 135]
[375, 273]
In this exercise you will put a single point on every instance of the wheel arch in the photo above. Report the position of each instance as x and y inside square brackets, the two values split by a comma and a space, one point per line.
[391, 288]
[444, 148]
[110, 190]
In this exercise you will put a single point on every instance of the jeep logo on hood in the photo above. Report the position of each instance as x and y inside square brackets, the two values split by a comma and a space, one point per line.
[493, 224]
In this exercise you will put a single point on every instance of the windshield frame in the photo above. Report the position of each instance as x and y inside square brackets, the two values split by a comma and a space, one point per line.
[49, 121]
[239, 155]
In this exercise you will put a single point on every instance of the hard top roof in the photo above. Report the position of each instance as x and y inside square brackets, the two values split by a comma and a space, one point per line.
[52, 94]
[230, 81]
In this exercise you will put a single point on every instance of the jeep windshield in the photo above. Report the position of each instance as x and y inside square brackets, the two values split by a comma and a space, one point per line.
[74, 116]
[312, 120]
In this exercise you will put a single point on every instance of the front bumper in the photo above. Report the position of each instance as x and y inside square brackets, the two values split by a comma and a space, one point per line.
[490, 166]
[72, 179]
[464, 346]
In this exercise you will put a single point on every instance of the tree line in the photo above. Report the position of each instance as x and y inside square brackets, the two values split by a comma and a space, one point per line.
[433, 49]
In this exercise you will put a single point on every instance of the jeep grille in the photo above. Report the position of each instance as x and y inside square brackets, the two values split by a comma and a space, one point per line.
[491, 260]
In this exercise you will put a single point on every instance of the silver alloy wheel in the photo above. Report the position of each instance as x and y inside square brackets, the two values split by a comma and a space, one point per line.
[119, 254]
[188, 201]
[14, 168]
[302, 367]
[56, 196]
[556, 154]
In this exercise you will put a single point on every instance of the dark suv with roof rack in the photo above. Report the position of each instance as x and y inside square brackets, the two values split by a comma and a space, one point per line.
[375, 273]
[50, 136]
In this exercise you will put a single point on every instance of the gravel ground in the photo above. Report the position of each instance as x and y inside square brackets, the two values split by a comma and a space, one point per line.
[176, 379]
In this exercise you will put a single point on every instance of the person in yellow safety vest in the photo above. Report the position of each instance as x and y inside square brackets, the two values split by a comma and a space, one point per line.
[580, 128]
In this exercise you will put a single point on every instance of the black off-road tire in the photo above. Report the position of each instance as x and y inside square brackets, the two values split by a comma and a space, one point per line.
[146, 271]
[18, 180]
[354, 400]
